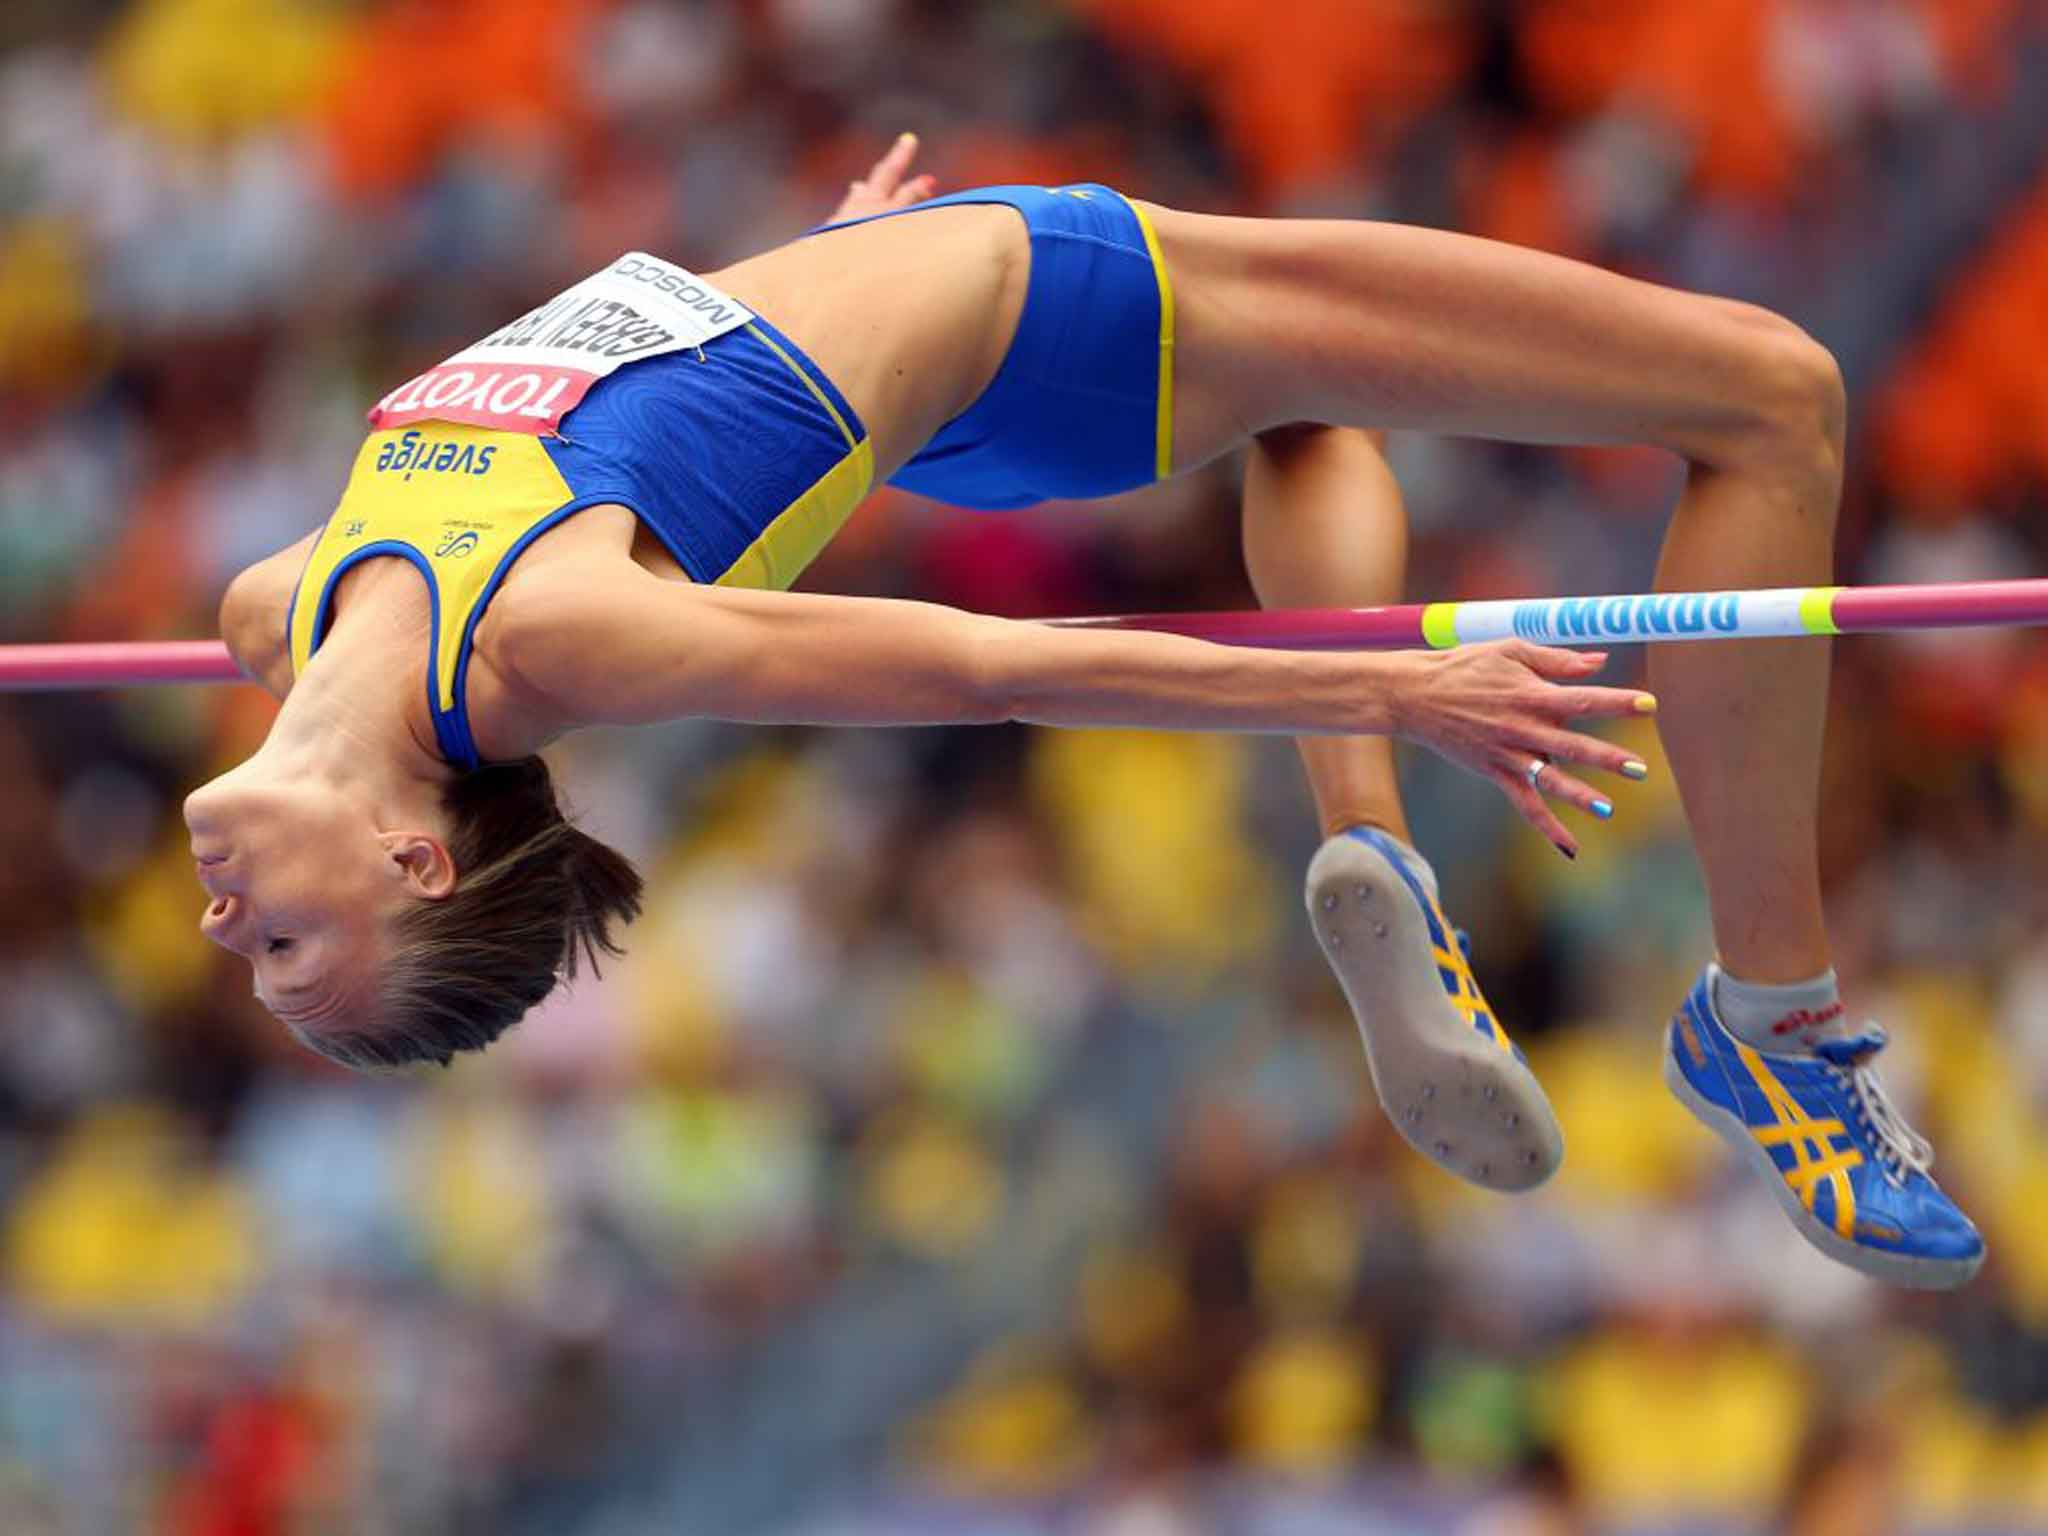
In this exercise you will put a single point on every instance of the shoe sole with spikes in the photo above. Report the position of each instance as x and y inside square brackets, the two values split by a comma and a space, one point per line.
[1454, 1087]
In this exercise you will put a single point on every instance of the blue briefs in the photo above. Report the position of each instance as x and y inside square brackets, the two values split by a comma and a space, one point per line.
[1082, 405]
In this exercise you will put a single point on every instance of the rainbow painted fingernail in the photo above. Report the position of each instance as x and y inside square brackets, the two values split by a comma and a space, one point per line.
[1635, 768]
[1602, 809]
[1646, 703]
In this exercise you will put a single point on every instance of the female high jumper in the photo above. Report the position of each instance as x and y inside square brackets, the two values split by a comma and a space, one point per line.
[607, 497]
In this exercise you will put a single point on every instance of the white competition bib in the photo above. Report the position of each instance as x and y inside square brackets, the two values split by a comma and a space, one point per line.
[527, 375]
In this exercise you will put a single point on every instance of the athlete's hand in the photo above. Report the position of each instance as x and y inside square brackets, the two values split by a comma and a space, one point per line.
[1498, 708]
[884, 189]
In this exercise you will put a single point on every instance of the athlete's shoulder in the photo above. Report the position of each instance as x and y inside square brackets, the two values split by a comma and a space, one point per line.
[254, 611]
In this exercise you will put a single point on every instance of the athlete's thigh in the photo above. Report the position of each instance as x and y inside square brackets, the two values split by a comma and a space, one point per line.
[909, 316]
[1390, 325]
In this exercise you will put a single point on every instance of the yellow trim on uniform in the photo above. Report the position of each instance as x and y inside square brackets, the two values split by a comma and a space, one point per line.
[800, 530]
[1814, 1154]
[809, 383]
[1817, 610]
[1440, 625]
[1165, 428]
[805, 526]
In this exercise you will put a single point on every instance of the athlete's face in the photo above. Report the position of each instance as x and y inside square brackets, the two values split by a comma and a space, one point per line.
[304, 886]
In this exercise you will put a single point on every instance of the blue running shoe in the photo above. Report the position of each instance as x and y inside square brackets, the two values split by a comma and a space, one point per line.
[1848, 1170]
[1456, 1088]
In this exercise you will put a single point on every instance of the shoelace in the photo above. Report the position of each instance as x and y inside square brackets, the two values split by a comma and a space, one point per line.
[1899, 1146]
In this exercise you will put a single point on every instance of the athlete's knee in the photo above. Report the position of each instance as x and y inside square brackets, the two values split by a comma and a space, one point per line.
[1301, 445]
[1794, 414]
[1810, 404]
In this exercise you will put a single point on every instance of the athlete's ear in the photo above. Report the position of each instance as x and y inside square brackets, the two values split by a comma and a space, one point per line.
[422, 861]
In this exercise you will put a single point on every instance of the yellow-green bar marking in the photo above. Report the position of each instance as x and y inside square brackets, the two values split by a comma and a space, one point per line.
[1440, 625]
[1817, 610]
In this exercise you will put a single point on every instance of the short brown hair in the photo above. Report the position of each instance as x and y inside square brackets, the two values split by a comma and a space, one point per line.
[532, 893]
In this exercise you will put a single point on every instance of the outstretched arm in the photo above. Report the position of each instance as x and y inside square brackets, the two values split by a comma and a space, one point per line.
[639, 649]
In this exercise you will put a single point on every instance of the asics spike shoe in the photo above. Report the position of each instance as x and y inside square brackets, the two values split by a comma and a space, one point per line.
[1815, 1123]
[1456, 1088]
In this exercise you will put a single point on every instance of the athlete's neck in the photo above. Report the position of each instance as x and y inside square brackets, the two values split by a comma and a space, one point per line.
[357, 715]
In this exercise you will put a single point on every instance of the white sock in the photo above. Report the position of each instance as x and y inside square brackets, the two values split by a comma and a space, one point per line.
[1795, 1016]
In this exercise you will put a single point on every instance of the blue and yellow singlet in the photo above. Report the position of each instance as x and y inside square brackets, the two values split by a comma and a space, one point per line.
[742, 459]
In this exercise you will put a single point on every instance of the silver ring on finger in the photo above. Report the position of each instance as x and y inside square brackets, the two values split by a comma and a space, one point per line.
[1534, 772]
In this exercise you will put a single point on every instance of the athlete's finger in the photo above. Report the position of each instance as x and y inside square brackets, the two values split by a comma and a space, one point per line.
[1533, 809]
[915, 190]
[1573, 791]
[1598, 703]
[890, 168]
[1586, 751]
[1555, 661]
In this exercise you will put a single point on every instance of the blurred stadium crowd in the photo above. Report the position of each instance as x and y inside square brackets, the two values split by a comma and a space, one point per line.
[973, 1141]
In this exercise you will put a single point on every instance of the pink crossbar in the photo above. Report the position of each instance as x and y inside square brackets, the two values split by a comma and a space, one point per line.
[115, 664]
[1617, 620]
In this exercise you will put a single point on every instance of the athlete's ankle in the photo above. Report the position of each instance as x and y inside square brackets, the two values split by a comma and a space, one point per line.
[1366, 821]
[1779, 1016]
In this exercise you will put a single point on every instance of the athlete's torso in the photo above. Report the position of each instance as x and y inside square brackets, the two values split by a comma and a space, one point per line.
[910, 317]
[908, 323]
